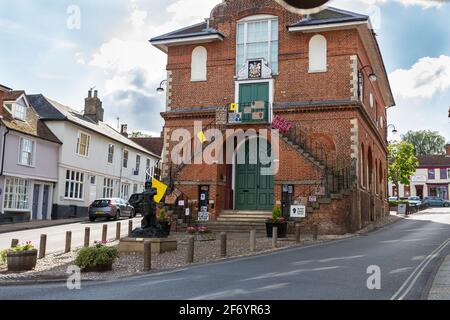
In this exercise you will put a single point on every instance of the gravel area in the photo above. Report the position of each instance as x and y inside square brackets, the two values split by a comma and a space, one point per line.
[54, 266]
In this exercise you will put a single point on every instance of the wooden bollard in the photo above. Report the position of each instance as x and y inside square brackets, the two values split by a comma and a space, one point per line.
[252, 240]
[190, 250]
[105, 233]
[297, 233]
[223, 244]
[14, 243]
[118, 226]
[42, 246]
[274, 237]
[68, 242]
[130, 227]
[316, 232]
[87, 236]
[147, 255]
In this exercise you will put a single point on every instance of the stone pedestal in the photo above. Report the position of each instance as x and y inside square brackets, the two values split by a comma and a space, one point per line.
[159, 245]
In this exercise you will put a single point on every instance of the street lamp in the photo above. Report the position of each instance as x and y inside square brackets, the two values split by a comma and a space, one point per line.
[394, 131]
[160, 89]
[372, 76]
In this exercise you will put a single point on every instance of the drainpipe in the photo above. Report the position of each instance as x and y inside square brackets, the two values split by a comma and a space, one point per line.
[3, 149]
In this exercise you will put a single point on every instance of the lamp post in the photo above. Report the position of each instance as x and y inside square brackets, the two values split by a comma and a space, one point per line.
[160, 89]
[372, 76]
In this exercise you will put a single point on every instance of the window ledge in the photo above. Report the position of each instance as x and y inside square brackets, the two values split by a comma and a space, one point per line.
[199, 80]
[26, 165]
[71, 199]
[317, 71]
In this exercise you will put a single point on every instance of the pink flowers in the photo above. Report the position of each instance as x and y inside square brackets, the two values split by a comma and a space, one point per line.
[197, 230]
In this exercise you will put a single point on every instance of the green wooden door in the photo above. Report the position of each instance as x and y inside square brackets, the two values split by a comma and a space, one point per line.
[250, 92]
[253, 190]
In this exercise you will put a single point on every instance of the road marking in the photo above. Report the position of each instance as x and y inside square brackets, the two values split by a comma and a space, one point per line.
[399, 270]
[405, 288]
[289, 273]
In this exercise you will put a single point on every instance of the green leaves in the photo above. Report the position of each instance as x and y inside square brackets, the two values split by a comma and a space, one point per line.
[425, 142]
[96, 256]
[402, 162]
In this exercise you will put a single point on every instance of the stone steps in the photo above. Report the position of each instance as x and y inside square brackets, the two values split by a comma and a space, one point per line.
[236, 227]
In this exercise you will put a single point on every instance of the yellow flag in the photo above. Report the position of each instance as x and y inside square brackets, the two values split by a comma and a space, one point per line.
[160, 187]
[233, 107]
[201, 137]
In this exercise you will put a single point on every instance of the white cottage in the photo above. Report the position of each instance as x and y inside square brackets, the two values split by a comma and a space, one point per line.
[95, 160]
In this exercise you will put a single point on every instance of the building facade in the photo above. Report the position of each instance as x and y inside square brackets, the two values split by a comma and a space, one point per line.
[432, 178]
[252, 65]
[29, 160]
[95, 161]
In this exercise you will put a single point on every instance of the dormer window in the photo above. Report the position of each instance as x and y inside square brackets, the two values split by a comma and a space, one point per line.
[19, 111]
[257, 38]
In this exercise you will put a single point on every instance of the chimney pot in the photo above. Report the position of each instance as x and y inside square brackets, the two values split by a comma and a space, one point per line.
[95, 93]
[124, 130]
[90, 93]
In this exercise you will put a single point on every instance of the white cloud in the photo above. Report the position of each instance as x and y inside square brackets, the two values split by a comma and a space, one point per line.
[423, 80]
[426, 4]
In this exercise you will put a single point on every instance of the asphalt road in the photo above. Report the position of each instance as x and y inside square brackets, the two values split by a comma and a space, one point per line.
[407, 253]
[56, 235]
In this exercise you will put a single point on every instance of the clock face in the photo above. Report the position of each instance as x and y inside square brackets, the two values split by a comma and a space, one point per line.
[305, 4]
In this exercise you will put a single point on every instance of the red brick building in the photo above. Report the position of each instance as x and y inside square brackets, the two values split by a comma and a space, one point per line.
[323, 74]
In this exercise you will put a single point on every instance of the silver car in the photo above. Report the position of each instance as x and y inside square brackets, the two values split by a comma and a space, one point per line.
[110, 208]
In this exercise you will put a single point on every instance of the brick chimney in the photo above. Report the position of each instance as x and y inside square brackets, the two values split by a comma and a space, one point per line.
[93, 107]
[124, 130]
[447, 150]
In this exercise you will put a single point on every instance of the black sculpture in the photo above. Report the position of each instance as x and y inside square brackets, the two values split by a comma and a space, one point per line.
[150, 226]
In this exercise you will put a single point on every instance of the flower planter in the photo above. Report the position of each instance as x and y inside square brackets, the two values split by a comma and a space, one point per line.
[282, 229]
[204, 237]
[99, 268]
[21, 260]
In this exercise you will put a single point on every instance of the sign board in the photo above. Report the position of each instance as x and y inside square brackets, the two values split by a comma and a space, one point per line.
[203, 216]
[401, 208]
[312, 199]
[234, 117]
[181, 203]
[298, 211]
[257, 115]
[187, 212]
[419, 178]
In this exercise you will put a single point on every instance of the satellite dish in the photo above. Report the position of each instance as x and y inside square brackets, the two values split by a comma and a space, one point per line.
[303, 6]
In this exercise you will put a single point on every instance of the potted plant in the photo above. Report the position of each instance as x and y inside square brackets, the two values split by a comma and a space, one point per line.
[163, 220]
[20, 258]
[201, 233]
[98, 258]
[276, 221]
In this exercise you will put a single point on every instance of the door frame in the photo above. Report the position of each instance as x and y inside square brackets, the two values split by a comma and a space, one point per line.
[233, 174]
[271, 82]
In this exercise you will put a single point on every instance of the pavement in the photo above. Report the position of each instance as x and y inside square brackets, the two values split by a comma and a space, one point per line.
[397, 262]
[37, 224]
[56, 235]
[440, 289]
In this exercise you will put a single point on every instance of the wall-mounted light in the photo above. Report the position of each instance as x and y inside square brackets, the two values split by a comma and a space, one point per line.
[394, 131]
[372, 76]
[160, 89]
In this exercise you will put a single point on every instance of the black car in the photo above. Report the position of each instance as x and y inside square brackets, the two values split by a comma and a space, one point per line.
[136, 201]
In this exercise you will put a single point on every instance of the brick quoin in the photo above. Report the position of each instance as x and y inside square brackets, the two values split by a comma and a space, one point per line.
[326, 105]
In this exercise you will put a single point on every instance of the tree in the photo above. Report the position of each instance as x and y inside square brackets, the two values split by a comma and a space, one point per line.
[139, 134]
[402, 163]
[425, 142]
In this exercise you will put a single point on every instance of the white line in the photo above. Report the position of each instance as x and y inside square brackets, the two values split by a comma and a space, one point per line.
[418, 271]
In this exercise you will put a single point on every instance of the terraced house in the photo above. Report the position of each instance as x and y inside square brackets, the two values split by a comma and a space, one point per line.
[95, 161]
[29, 160]
[253, 64]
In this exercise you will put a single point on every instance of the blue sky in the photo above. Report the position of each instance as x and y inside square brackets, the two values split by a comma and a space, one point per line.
[110, 51]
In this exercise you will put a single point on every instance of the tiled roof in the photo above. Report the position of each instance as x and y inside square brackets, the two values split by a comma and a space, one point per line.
[153, 144]
[4, 88]
[434, 161]
[330, 15]
[51, 110]
[12, 95]
[196, 30]
[32, 126]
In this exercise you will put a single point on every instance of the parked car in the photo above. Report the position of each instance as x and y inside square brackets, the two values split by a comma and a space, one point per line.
[435, 202]
[110, 208]
[414, 201]
[136, 201]
[392, 198]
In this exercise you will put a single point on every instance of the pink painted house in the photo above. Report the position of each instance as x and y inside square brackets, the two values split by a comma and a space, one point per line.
[28, 160]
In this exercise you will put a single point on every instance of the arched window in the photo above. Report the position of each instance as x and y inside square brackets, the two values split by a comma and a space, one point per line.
[318, 54]
[198, 64]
